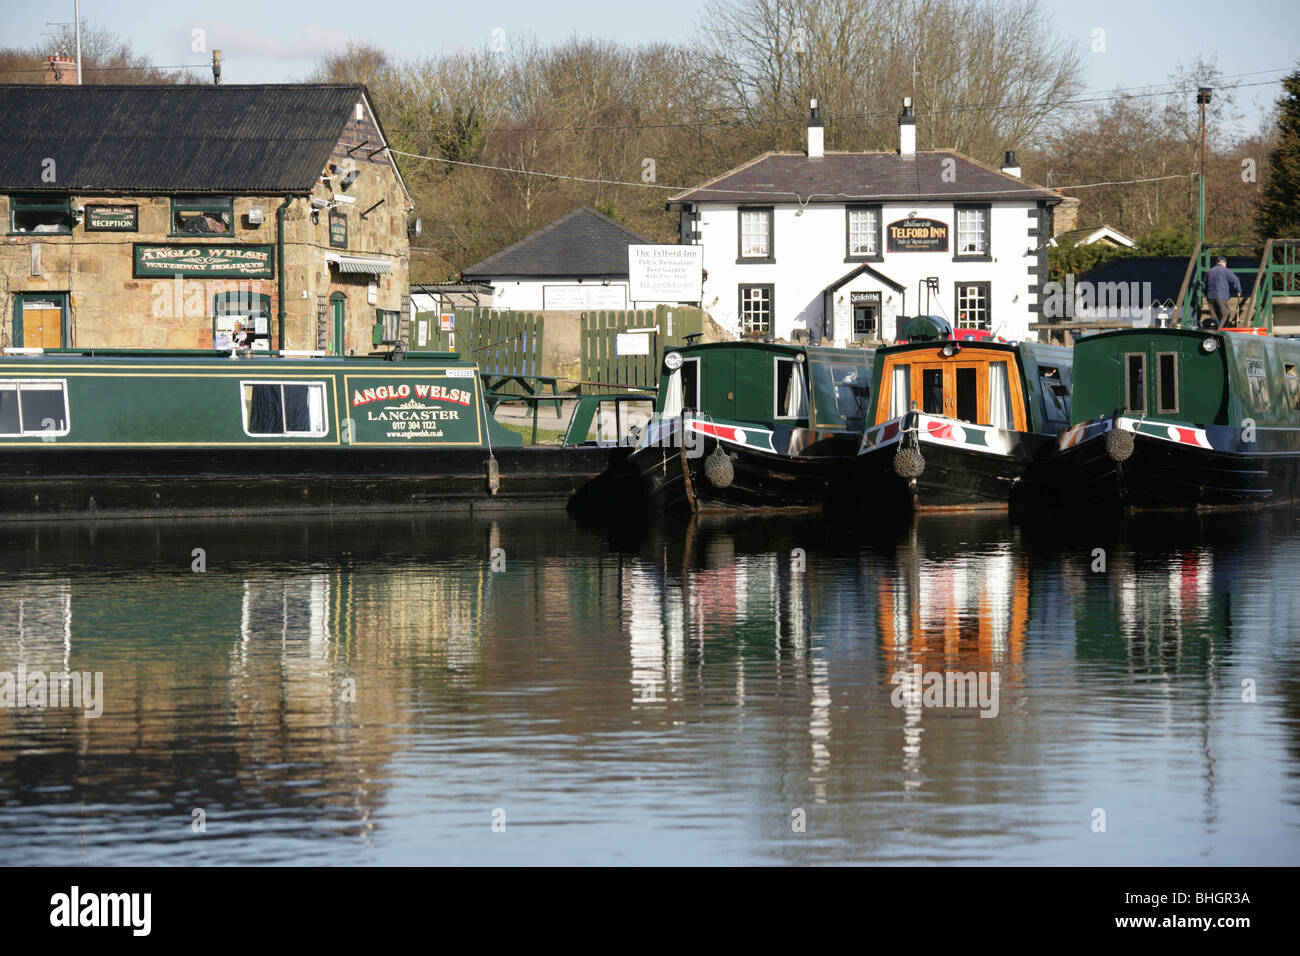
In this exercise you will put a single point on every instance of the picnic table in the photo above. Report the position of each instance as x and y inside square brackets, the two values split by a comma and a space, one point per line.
[533, 385]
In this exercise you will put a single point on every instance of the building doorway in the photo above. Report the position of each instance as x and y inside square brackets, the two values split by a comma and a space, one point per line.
[335, 341]
[41, 320]
[866, 315]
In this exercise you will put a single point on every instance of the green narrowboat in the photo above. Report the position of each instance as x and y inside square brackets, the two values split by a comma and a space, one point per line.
[136, 432]
[753, 425]
[959, 425]
[1182, 418]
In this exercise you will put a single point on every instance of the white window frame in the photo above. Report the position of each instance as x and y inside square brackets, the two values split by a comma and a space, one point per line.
[62, 384]
[871, 231]
[985, 290]
[981, 217]
[324, 406]
[747, 289]
[755, 224]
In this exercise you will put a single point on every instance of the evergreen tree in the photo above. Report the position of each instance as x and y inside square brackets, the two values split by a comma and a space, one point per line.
[1279, 207]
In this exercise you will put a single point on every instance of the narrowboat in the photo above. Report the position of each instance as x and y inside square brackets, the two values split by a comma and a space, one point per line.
[960, 424]
[134, 432]
[1182, 418]
[752, 425]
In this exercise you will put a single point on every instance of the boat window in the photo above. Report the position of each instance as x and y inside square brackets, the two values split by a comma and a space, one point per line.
[1292, 388]
[690, 383]
[967, 394]
[900, 398]
[852, 391]
[999, 396]
[932, 391]
[1056, 395]
[1135, 382]
[37, 407]
[1166, 382]
[791, 389]
[1258, 385]
[284, 408]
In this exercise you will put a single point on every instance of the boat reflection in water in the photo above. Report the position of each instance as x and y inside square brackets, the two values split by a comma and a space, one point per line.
[369, 691]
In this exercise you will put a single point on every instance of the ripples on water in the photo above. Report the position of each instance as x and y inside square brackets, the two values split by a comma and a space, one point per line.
[661, 694]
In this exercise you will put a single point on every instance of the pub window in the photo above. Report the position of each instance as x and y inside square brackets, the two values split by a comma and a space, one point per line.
[1292, 388]
[791, 389]
[284, 408]
[36, 213]
[1166, 382]
[1135, 382]
[391, 323]
[972, 231]
[1056, 396]
[756, 240]
[33, 407]
[972, 305]
[202, 215]
[863, 231]
[755, 308]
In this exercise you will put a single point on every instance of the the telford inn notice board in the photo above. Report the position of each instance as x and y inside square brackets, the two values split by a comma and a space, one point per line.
[100, 218]
[916, 235]
[204, 261]
[665, 273]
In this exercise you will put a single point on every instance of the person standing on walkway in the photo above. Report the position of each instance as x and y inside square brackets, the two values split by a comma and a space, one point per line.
[1219, 282]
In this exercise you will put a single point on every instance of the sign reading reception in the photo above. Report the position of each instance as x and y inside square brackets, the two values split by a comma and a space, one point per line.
[112, 218]
[164, 261]
[665, 273]
[917, 235]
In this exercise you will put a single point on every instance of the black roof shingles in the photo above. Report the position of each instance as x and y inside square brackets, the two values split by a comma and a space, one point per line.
[273, 138]
[863, 177]
[582, 243]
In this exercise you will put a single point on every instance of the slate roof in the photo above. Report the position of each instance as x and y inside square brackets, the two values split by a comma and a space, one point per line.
[864, 177]
[273, 138]
[582, 243]
[1165, 273]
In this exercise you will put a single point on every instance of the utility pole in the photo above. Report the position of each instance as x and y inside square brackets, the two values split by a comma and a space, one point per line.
[1202, 99]
[76, 8]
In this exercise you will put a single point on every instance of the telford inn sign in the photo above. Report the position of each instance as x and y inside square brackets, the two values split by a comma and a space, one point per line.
[101, 218]
[204, 260]
[917, 235]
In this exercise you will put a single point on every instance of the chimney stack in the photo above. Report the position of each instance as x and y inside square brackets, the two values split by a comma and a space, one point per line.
[907, 129]
[1009, 164]
[816, 133]
[60, 70]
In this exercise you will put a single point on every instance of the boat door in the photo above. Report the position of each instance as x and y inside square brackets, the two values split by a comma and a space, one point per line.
[718, 384]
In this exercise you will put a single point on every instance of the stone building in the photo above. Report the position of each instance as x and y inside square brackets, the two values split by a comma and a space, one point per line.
[177, 216]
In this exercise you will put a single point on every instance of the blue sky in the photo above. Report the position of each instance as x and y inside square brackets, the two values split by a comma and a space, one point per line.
[277, 40]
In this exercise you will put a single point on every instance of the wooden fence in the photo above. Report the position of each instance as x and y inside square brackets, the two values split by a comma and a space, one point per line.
[627, 348]
[499, 342]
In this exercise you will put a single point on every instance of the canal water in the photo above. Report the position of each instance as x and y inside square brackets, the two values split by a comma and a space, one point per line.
[538, 689]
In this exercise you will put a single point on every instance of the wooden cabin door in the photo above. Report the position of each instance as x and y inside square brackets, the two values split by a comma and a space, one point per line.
[718, 385]
[978, 392]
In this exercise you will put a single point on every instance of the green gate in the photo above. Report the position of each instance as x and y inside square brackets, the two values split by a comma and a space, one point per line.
[627, 348]
[499, 342]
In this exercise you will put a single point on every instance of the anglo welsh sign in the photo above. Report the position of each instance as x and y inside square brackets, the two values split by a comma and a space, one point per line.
[112, 218]
[204, 261]
[916, 235]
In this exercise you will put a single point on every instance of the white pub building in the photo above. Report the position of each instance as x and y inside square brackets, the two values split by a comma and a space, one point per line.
[840, 246]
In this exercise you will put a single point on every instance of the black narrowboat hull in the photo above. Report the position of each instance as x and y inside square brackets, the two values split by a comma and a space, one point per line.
[675, 480]
[143, 482]
[966, 467]
[1105, 465]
